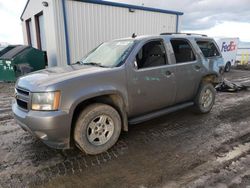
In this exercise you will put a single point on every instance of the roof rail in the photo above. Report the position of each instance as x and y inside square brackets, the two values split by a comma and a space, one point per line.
[183, 34]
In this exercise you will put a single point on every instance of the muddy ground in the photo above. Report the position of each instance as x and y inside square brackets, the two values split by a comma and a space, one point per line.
[178, 150]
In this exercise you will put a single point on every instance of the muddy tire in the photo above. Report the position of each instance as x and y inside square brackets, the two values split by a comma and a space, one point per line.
[205, 98]
[97, 129]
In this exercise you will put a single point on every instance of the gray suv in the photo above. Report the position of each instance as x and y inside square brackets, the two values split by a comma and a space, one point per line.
[121, 82]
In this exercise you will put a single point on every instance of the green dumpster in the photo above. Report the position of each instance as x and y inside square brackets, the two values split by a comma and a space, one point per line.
[6, 49]
[19, 60]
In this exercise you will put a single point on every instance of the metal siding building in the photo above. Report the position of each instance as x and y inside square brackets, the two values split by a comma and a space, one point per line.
[68, 29]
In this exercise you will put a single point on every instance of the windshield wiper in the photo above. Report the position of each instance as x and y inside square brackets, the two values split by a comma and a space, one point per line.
[79, 62]
[93, 64]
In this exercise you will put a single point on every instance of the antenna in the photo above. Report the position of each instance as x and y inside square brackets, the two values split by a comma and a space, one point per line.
[134, 35]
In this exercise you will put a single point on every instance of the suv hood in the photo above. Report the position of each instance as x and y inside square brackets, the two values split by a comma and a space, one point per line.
[50, 76]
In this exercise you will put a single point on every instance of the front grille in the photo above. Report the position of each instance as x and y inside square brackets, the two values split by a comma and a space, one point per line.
[23, 92]
[22, 98]
[22, 104]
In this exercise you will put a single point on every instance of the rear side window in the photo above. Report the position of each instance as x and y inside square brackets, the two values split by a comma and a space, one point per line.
[182, 50]
[208, 48]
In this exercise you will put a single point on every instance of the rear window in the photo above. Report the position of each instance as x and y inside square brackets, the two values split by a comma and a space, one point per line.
[182, 50]
[208, 48]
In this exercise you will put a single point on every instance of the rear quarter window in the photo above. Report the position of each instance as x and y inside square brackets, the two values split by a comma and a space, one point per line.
[208, 48]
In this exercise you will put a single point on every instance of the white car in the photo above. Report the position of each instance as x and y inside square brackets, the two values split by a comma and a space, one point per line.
[228, 48]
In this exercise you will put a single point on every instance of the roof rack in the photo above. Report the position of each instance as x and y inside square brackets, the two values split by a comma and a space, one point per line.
[184, 34]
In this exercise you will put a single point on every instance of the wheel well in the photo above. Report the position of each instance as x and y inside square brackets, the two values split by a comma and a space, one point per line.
[212, 78]
[113, 100]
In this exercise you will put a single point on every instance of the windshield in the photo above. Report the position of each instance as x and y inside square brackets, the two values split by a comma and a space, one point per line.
[109, 54]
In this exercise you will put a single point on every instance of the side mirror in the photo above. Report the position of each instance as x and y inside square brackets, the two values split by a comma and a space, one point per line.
[135, 64]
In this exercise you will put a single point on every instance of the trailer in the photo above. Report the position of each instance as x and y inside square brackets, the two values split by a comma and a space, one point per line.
[228, 48]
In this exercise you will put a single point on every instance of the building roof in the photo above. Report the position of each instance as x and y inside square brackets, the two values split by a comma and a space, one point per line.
[115, 4]
[21, 17]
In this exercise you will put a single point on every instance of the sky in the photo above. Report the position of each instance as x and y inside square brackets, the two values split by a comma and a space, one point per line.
[10, 23]
[216, 18]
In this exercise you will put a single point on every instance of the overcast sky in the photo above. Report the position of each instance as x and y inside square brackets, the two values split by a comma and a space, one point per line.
[10, 24]
[220, 18]
[217, 18]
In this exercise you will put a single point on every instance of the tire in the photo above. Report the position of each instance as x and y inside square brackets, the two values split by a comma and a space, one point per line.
[97, 128]
[227, 67]
[205, 98]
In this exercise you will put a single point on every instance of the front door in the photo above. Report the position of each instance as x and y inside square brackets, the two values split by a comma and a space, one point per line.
[151, 79]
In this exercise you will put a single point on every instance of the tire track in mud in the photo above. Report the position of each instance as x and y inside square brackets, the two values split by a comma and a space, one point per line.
[212, 172]
[9, 131]
[40, 170]
[216, 173]
[5, 109]
[4, 117]
[226, 147]
[74, 162]
[235, 113]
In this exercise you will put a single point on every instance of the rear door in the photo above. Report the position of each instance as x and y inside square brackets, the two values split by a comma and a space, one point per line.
[188, 69]
[151, 78]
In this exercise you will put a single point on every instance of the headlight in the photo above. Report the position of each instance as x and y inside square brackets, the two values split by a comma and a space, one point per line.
[46, 101]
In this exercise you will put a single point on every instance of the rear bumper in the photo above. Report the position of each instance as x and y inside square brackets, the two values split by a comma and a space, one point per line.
[53, 128]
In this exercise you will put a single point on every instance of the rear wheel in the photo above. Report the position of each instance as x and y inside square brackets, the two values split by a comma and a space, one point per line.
[205, 98]
[228, 67]
[97, 128]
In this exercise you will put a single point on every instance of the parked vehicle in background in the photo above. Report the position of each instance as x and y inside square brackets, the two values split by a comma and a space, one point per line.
[228, 48]
[121, 82]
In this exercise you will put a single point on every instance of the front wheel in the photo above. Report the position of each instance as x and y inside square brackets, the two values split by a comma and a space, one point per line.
[97, 128]
[205, 98]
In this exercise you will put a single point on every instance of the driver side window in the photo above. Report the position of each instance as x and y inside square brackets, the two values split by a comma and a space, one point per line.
[152, 54]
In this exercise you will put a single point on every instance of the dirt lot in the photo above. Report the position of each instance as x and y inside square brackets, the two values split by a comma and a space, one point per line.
[178, 150]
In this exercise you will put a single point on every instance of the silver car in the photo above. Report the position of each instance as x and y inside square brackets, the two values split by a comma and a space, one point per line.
[121, 82]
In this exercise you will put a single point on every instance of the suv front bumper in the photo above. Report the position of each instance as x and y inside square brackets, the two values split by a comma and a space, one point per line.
[53, 127]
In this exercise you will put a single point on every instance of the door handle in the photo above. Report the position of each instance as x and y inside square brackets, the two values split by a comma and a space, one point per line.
[168, 73]
[197, 67]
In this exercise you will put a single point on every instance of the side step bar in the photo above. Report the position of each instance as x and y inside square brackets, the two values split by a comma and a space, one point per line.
[162, 112]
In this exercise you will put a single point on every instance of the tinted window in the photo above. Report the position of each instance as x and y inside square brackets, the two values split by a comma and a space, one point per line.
[151, 54]
[182, 51]
[208, 48]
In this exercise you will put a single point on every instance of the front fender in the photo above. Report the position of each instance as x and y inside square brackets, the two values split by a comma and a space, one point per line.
[100, 92]
[90, 93]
